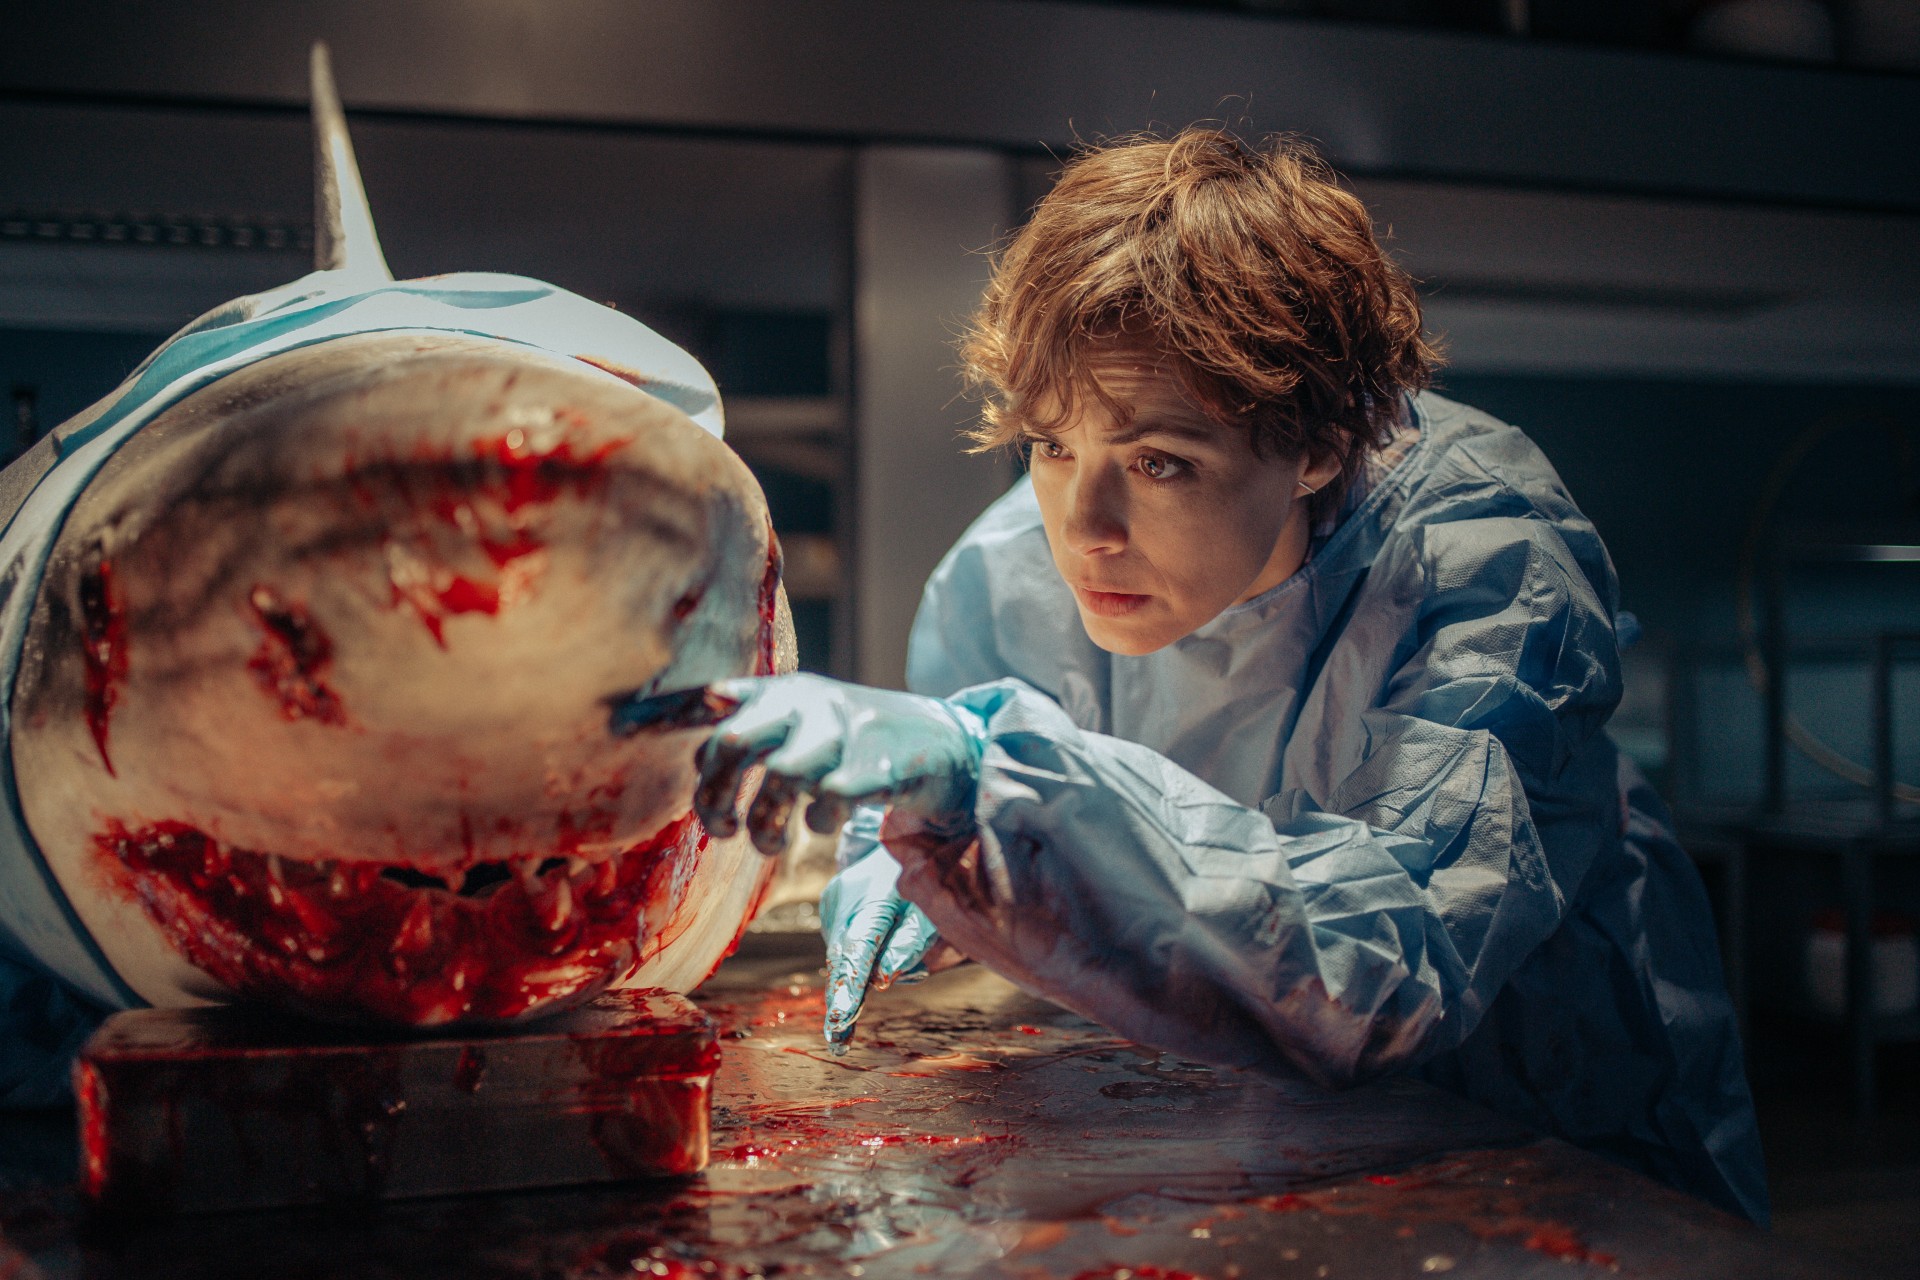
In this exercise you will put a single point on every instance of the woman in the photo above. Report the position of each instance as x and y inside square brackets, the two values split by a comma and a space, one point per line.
[1264, 721]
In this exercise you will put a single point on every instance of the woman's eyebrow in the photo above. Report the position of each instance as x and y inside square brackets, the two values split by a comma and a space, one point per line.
[1154, 425]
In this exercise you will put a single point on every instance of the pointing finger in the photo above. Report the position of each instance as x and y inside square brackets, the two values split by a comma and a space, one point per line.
[771, 811]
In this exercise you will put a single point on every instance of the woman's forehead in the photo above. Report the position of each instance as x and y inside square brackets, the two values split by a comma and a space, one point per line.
[1124, 390]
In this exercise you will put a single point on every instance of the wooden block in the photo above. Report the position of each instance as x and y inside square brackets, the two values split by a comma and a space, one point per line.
[239, 1108]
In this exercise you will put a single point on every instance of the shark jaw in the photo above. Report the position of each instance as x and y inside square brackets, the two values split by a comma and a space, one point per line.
[482, 943]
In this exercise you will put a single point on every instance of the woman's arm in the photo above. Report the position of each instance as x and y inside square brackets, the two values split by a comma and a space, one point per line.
[1109, 879]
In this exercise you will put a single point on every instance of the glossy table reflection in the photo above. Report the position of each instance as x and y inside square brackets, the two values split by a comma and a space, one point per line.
[973, 1131]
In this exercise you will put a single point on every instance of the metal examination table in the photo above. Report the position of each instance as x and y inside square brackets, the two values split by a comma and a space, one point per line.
[972, 1131]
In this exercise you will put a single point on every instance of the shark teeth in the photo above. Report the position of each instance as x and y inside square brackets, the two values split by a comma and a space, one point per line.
[555, 907]
[558, 888]
[528, 871]
[416, 931]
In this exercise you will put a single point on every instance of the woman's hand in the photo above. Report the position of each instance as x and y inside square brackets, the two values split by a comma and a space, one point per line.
[874, 937]
[843, 744]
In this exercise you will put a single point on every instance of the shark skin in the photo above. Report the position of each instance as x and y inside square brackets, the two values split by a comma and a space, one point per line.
[311, 634]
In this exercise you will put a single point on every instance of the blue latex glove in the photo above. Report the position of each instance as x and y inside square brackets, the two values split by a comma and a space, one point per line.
[875, 937]
[844, 744]
[916, 758]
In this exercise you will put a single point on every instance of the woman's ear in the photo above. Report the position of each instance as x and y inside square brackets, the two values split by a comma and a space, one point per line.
[1318, 471]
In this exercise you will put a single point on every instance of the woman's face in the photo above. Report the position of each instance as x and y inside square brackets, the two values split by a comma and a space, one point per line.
[1159, 517]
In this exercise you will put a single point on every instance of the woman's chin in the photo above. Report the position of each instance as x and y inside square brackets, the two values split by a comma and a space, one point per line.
[1134, 635]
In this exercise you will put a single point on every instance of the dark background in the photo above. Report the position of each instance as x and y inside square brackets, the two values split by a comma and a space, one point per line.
[1674, 240]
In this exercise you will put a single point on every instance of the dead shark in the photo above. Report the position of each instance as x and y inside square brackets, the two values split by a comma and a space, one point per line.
[312, 629]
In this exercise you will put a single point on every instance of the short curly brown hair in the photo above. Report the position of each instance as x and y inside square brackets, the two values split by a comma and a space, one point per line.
[1249, 266]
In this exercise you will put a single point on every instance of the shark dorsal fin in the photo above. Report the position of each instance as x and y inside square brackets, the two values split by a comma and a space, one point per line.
[343, 234]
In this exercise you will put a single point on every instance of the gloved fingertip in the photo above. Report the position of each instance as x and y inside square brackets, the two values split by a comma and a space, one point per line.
[909, 943]
[768, 840]
[845, 995]
[714, 806]
[826, 815]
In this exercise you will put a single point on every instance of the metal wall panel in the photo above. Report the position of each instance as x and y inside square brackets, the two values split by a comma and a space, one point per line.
[1022, 74]
[923, 218]
[632, 217]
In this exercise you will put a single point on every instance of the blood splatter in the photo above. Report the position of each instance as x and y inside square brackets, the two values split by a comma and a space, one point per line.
[786, 1131]
[515, 546]
[769, 607]
[357, 938]
[619, 371]
[661, 1077]
[798, 1052]
[470, 1071]
[1481, 1193]
[292, 661]
[522, 474]
[657, 1263]
[793, 1005]
[958, 1060]
[103, 646]
[1558, 1242]
[95, 1142]
[464, 595]
[494, 499]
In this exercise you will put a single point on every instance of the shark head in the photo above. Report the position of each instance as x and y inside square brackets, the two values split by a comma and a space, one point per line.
[335, 598]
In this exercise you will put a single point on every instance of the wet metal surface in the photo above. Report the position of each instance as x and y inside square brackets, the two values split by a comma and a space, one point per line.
[972, 1131]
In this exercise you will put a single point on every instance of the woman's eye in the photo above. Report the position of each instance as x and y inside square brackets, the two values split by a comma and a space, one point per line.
[1049, 449]
[1156, 467]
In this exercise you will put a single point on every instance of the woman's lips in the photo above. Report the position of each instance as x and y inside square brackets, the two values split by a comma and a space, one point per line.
[1109, 604]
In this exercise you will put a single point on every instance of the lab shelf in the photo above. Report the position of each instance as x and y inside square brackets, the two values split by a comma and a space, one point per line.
[1851, 837]
[1886, 1028]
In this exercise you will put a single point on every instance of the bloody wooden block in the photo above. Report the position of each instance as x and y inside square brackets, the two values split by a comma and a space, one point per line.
[235, 1107]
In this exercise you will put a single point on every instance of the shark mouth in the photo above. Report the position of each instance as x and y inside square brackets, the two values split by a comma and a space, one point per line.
[489, 942]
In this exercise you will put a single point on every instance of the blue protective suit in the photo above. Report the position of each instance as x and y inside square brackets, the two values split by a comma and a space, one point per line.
[55, 983]
[1368, 821]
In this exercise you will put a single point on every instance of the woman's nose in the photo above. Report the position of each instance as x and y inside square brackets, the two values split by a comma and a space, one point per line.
[1096, 517]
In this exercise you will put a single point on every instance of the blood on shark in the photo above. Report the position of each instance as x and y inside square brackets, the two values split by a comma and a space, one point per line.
[311, 629]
